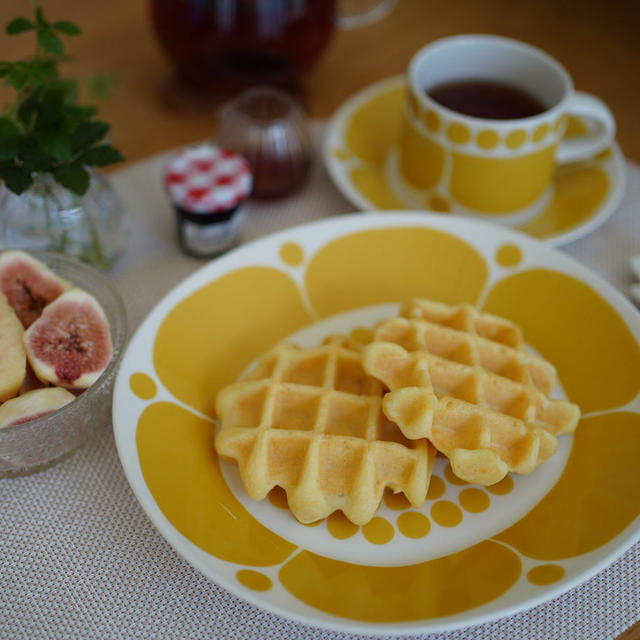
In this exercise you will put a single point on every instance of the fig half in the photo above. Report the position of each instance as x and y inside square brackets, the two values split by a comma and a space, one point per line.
[28, 284]
[69, 345]
[32, 405]
[13, 359]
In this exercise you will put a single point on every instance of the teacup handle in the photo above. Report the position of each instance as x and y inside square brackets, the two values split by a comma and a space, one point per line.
[598, 138]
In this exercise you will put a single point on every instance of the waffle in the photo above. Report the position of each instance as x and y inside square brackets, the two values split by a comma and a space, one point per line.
[463, 380]
[311, 422]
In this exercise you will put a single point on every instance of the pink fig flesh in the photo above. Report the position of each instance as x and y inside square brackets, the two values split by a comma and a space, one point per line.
[28, 284]
[70, 344]
[33, 405]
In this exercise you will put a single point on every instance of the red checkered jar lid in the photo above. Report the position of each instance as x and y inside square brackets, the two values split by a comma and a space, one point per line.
[208, 179]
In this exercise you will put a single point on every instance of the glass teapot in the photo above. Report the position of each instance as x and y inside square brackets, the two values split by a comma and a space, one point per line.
[245, 42]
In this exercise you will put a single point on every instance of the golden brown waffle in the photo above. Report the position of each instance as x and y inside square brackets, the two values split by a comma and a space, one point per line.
[311, 422]
[463, 380]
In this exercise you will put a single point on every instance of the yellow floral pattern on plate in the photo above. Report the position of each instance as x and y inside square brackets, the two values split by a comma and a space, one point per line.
[208, 337]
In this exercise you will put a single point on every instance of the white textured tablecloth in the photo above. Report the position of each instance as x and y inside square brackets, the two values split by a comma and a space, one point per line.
[79, 558]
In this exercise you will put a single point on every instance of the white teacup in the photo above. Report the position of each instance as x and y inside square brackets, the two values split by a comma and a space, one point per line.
[488, 166]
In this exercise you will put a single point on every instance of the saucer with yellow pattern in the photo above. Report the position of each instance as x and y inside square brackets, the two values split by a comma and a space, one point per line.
[470, 553]
[360, 156]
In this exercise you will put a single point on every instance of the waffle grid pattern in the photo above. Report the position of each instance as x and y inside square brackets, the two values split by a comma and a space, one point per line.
[311, 422]
[463, 380]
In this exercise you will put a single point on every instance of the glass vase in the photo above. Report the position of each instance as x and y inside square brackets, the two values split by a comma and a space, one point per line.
[49, 217]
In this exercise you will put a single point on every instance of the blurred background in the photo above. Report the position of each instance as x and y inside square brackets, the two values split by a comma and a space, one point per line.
[596, 40]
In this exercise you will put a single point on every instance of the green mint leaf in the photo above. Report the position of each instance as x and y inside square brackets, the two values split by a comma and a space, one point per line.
[51, 105]
[32, 158]
[17, 179]
[29, 106]
[73, 176]
[18, 76]
[100, 86]
[9, 139]
[19, 25]
[101, 155]
[8, 128]
[87, 134]
[50, 42]
[74, 116]
[8, 149]
[41, 71]
[40, 21]
[69, 88]
[67, 27]
[55, 144]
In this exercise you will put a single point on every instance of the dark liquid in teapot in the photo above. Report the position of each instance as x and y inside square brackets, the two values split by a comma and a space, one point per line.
[243, 42]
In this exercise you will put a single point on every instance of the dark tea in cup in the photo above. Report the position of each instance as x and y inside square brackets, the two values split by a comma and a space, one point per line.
[487, 99]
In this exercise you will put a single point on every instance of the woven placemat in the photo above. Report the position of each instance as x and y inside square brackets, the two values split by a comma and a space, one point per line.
[79, 558]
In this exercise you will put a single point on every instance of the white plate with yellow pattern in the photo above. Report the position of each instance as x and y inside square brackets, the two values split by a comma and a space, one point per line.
[470, 554]
[360, 156]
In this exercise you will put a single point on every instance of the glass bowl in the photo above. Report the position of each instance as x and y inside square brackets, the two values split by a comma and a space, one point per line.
[38, 444]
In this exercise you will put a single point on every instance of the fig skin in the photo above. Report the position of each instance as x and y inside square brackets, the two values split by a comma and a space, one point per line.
[28, 284]
[13, 358]
[32, 405]
[69, 345]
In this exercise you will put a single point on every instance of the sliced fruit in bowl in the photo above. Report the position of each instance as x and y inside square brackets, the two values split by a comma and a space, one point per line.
[60, 349]
[69, 345]
[28, 284]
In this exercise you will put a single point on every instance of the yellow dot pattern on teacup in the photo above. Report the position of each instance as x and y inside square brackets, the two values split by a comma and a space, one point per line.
[560, 123]
[413, 524]
[515, 139]
[436, 488]
[340, 527]
[508, 255]
[142, 386]
[545, 574]
[474, 500]
[396, 501]
[254, 580]
[487, 139]
[540, 132]
[438, 203]
[503, 487]
[432, 121]
[292, 254]
[452, 477]
[378, 531]
[458, 133]
[446, 513]
[414, 106]
[278, 498]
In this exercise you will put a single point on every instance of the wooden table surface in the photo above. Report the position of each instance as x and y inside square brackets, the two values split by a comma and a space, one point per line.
[597, 40]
